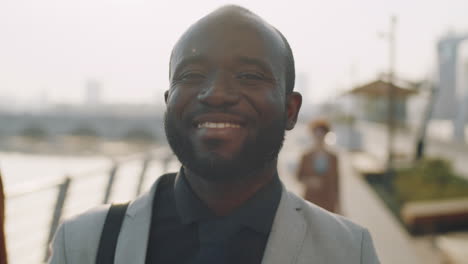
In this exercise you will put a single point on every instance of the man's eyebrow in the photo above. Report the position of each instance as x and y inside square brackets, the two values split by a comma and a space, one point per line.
[188, 60]
[255, 61]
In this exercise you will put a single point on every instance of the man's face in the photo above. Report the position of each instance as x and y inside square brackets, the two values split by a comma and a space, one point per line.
[227, 107]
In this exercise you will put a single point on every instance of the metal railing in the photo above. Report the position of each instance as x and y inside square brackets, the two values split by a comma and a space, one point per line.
[35, 212]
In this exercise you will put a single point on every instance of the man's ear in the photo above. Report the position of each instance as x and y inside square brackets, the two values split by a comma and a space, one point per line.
[293, 105]
[166, 94]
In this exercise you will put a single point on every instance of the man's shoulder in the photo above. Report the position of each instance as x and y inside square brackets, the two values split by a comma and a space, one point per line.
[92, 221]
[331, 236]
[93, 217]
[77, 238]
[322, 221]
[316, 234]
[97, 215]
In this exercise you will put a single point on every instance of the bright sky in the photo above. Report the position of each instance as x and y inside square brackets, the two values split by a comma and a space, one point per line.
[51, 47]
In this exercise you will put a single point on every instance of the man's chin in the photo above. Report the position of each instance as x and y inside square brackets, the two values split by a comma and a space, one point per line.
[217, 157]
[219, 169]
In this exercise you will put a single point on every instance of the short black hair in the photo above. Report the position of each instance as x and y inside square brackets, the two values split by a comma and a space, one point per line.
[290, 69]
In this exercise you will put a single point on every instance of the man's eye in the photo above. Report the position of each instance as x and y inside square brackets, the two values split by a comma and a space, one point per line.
[250, 76]
[191, 76]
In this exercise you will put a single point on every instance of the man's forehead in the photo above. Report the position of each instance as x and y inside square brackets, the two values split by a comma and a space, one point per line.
[235, 47]
[230, 30]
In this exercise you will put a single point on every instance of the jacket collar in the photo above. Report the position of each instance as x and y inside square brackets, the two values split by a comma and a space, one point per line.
[144, 202]
[284, 243]
[133, 239]
[288, 231]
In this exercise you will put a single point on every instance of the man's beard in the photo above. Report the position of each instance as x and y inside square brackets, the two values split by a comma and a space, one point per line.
[254, 155]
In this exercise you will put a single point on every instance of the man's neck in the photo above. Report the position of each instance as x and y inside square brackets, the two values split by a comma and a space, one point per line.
[224, 197]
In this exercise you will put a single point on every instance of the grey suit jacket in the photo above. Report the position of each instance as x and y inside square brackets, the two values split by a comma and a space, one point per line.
[301, 233]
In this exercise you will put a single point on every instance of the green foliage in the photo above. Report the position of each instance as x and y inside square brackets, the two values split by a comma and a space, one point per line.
[429, 179]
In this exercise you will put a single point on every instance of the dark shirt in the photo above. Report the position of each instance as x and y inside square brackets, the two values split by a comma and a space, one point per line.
[184, 230]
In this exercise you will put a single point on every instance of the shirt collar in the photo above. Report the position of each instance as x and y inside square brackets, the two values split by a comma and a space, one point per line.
[257, 213]
[189, 207]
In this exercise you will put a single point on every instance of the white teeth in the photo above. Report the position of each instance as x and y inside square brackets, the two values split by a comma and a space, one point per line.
[217, 125]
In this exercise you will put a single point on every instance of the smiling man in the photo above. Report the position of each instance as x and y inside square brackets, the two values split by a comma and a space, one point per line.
[229, 104]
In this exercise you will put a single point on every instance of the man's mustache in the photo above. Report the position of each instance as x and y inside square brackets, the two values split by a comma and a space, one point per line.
[203, 110]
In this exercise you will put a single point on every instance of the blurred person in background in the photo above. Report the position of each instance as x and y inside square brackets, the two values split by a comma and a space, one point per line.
[318, 170]
[229, 104]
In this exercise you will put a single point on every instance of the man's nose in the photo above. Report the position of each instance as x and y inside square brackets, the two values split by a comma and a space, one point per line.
[219, 93]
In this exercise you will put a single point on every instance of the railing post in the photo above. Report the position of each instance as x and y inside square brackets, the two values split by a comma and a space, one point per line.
[141, 179]
[59, 205]
[110, 183]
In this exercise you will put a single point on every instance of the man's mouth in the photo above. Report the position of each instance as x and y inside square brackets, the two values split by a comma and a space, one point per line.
[218, 121]
[218, 125]
[222, 133]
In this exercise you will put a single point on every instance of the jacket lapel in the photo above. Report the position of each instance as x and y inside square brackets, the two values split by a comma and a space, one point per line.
[284, 243]
[133, 238]
[287, 233]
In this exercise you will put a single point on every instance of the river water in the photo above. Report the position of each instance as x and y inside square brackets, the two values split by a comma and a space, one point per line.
[18, 168]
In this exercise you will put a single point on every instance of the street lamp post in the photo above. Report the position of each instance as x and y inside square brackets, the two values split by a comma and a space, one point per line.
[422, 133]
[391, 115]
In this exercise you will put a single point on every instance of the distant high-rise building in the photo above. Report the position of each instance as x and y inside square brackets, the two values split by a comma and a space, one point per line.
[461, 91]
[302, 85]
[8, 103]
[43, 100]
[447, 54]
[461, 84]
[93, 92]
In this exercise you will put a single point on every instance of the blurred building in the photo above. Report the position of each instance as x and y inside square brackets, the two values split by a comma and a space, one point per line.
[302, 85]
[7, 103]
[116, 121]
[448, 57]
[93, 92]
[370, 101]
[461, 92]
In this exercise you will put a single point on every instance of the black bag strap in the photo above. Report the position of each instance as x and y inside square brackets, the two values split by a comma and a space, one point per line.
[110, 233]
